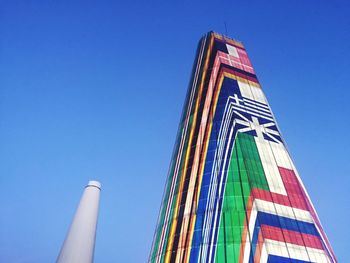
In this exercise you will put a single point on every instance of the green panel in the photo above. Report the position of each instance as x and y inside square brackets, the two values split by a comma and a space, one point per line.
[176, 193]
[167, 194]
[245, 172]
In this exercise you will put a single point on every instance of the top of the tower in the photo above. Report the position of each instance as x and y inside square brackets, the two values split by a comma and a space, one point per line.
[225, 39]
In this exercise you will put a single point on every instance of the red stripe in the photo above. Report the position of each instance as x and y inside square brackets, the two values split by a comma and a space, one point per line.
[243, 76]
[296, 188]
[237, 62]
[294, 197]
[293, 237]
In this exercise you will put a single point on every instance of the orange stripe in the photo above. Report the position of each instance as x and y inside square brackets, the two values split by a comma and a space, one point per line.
[259, 248]
[223, 74]
[201, 144]
[245, 229]
[179, 155]
[174, 221]
[216, 96]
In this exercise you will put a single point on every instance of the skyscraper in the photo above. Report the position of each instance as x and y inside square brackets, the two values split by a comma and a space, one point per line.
[233, 193]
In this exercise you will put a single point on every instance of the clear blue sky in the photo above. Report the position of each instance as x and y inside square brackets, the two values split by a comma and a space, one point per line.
[94, 90]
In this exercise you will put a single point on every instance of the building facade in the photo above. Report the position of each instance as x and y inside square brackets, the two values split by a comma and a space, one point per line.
[233, 193]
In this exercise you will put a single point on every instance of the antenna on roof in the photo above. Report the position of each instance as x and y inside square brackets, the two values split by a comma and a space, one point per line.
[225, 28]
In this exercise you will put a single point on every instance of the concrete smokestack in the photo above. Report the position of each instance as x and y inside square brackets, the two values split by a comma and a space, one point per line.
[79, 244]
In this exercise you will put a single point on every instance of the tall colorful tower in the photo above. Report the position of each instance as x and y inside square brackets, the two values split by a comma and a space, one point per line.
[233, 193]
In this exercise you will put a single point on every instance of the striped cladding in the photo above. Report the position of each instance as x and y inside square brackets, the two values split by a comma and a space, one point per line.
[233, 193]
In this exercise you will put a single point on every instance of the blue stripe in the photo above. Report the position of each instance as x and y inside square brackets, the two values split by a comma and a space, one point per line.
[221, 197]
[287, 223]
[245, 108]
[229, 86]
[278, 259]
[255, 102]
[280, 222]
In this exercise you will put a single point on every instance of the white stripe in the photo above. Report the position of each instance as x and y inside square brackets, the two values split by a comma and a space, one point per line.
[258, 94]
[251, 92]
[249, 235]
[283, 210]
[317, 220]
[262, 105]
[264, 254]
[256, 106]
[175, 174]
[271, 171]
[213, 181]
[259, 114]
[247, 107]
[217, 165]
[220, 189]
[246, 251]
[274, 209]
[293, 251]
[281, 155]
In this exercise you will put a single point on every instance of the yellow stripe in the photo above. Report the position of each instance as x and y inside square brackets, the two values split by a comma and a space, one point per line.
[174, 221]
[192, 223]
[187, 258]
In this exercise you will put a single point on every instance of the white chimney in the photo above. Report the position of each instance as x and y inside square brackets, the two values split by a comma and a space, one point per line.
[79, 244]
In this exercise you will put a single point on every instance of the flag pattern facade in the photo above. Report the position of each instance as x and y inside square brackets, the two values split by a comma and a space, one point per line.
[233, 193]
